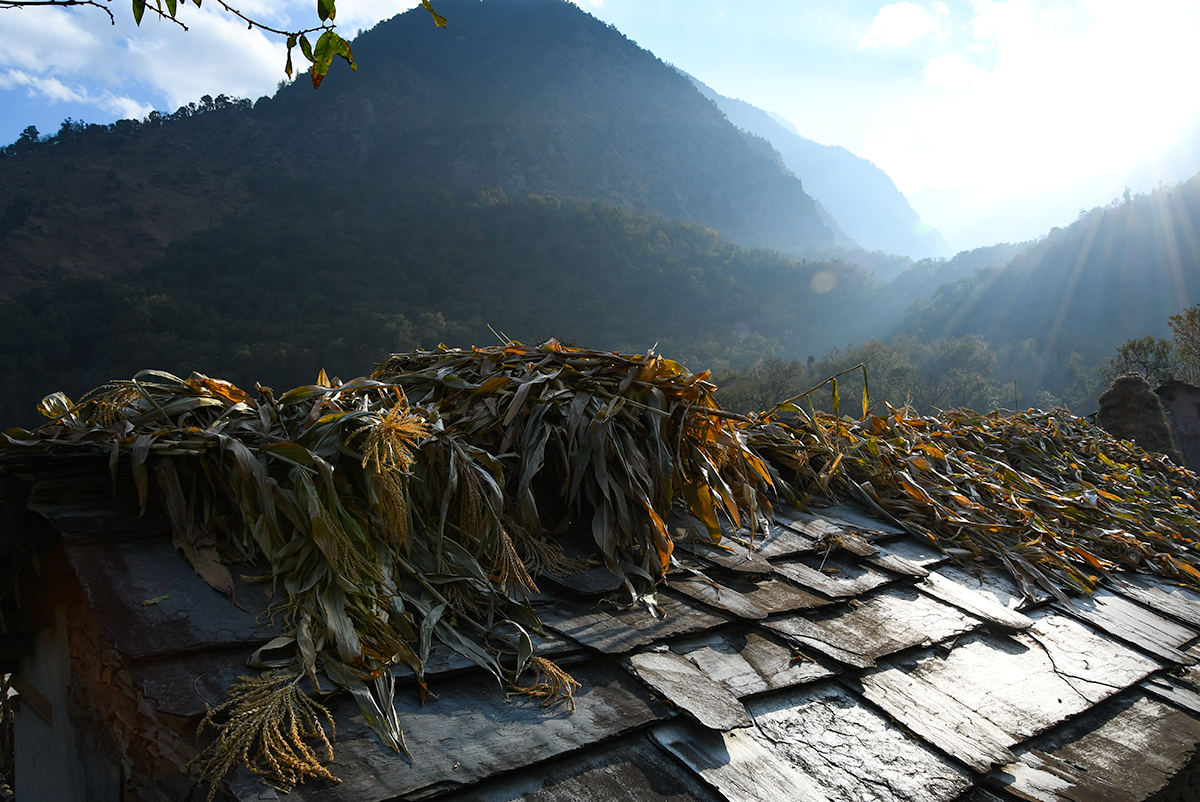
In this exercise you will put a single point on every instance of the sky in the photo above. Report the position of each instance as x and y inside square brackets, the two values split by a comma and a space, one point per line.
[998, 120]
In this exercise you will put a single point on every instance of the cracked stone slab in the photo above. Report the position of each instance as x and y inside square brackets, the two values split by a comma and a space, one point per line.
[691, 690]
[813, 527]
[775, 595]
[121, 580]
[779, 540]
[614, 629]
[714, 594]
[738, 764]
[1126, 750]
[730, 557]
[470, 732]
[919, 553]
[895, 619]
[897, 564]
[992, 583]
[631, 769]
[1160, 595]
[1038, 777]
[1130, 621]
[1027, 682]
[748, 663]
[1178, 693]
[852, 516]
[688, 534]
[973, 602]
[835, 578]
[937, 717]
[850, 752]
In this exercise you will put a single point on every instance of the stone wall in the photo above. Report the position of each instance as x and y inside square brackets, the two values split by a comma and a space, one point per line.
[1182, 403]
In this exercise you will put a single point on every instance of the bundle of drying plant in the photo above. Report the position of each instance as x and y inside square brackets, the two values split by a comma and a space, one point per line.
[1055, 500]
[385, 525]
[419, 505]
[316, 488]
[606, 439]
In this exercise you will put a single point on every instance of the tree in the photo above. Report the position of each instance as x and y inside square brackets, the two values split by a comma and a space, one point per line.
[320, 55]
[1149, 356]
[1186, 327]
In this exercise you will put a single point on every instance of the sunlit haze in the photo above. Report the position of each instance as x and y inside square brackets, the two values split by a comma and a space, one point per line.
[998, 120]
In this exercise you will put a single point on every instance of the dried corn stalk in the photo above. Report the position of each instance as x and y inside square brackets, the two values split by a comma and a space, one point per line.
[1055, 500]
[410, 507]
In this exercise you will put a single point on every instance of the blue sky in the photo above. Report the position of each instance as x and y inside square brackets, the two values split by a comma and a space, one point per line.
[997, 119]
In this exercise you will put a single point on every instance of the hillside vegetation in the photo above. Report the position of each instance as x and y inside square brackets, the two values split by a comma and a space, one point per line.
[530, 96]
[272, 296]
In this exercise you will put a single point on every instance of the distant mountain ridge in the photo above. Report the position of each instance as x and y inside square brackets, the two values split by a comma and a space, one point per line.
[860, 197]
[1116, 273]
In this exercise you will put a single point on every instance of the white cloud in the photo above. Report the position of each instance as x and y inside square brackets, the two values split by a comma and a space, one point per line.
[1073, 90]
[217, 55]
[53, 90]
[71, 55]
[900, 24]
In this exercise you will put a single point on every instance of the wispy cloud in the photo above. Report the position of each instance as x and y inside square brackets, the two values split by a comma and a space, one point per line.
[69, 54]
[53, 90]
[900, 24]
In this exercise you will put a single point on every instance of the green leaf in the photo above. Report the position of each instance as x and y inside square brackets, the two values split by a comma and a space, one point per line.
[298, 394]
[139, 8]
[263, 659]
[425, 642]
[137, 464]
[322, 57]
[340, 627]
[524, 644]
[288, 452]
[307, 50]
[341, 47]
[325, 9]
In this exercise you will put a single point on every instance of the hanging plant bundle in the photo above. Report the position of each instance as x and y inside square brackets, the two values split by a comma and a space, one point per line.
[419, 506]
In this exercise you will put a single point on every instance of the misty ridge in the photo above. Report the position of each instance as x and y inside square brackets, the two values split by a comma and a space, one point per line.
[533, 172]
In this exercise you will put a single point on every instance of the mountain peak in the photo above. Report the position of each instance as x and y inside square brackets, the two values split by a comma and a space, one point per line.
[539, 96]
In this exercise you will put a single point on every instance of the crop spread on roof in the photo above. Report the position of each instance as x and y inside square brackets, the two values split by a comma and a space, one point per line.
[419, 505]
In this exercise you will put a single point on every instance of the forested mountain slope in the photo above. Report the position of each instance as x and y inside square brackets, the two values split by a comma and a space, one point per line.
[98, 200]
[525, 96]
[862, 198]
[270, 296]
[1116, 273]
[538, 96]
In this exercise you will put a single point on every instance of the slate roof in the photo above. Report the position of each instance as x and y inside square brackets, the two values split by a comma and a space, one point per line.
[840, 659]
